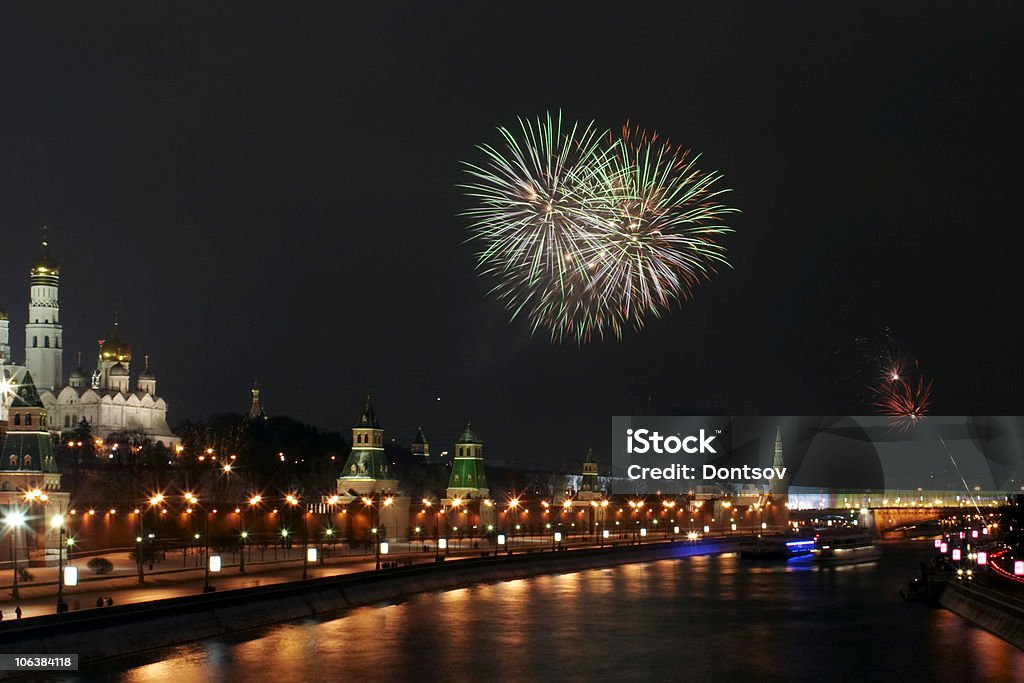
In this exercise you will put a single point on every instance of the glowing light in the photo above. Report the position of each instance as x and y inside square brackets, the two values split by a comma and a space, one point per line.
[70, 576]
[310, 554]
[215, 563]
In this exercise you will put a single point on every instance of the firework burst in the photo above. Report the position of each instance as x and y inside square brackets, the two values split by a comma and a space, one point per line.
[901, 392]
[587, 233]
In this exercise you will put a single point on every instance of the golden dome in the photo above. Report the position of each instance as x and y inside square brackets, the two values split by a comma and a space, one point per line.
[114, 349]
[46, 265]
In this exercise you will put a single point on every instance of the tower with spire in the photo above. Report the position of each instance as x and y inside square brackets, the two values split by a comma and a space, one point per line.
[256, 408]
[43, 337]
[368, 484]
[778, 486]
[5, 338]
[468, 479]
[108, 400]
[28, 470]
[367, 470]
[590, 485]
[420, 447]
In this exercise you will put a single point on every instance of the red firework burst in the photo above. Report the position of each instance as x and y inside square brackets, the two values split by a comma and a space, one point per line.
[903, 401]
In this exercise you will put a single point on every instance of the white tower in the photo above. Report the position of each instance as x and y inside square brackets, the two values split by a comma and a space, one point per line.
[5, 338]
[43, 333]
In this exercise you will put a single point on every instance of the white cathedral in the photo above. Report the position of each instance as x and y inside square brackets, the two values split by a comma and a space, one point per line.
[105, 398]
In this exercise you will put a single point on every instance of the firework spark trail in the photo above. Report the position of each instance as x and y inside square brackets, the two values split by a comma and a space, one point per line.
[960, 474]
[587, 232]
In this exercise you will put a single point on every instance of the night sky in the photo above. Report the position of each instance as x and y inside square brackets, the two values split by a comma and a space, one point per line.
[271, 195]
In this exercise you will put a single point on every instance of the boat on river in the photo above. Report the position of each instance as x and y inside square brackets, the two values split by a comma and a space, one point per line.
[846, 548]
[777, 547]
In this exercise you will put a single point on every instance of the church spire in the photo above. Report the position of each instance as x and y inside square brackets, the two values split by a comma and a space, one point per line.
[255, 408]
[778, 486]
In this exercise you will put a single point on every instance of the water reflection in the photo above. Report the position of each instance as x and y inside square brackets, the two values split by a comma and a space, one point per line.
[714, 616]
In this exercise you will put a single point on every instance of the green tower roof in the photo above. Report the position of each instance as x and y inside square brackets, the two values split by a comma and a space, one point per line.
[26, 395]
[468, 436]
[369, 418]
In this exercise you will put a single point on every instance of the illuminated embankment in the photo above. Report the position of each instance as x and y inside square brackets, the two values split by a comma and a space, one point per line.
[121, 630]
[993, 611]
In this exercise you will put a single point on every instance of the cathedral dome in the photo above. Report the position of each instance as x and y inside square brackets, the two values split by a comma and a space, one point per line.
[77, 373]
[46, 265]
[119, 371]
[3, 314]
[146, 373]
[114, 348]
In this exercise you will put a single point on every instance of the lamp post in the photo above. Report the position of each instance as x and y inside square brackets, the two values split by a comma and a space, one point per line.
[329, 531]
[58, 523]
[456, 504]
[512, 505]
[194, 501]
[437, 529]
[368, 502]
[254, 500]
[293, 501]
[13, 522]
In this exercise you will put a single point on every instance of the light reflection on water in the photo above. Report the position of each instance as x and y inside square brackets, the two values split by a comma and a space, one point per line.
[711, 617]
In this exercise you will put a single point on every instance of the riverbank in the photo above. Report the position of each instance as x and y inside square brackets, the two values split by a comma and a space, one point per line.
[996, 612]
[121, 630]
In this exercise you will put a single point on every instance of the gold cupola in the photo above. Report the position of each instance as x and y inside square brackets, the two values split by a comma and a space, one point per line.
[114, 349]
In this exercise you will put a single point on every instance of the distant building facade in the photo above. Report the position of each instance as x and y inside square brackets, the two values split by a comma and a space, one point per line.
[106, 397]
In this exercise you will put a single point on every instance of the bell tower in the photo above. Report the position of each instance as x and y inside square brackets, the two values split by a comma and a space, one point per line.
[43, 337]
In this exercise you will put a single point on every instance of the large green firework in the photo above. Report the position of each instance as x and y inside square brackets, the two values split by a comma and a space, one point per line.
[585, 232]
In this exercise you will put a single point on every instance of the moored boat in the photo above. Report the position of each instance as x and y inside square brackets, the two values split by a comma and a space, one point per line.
[776, 547]
[846, 548]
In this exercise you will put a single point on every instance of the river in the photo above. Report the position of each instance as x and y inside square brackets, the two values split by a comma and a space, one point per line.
[701, 618]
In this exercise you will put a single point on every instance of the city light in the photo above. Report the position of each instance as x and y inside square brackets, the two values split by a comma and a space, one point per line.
[311, 554]
[501, 539]
[70, 576]
[215, 563]
[384, 547]
[442, 543]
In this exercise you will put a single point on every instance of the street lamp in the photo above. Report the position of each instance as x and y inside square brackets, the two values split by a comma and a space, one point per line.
[254, 500]
[293, 501]
[368, 502]
[512, 505]
[13, 521]
[387, 503]
[455, 507]
[58, 523]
